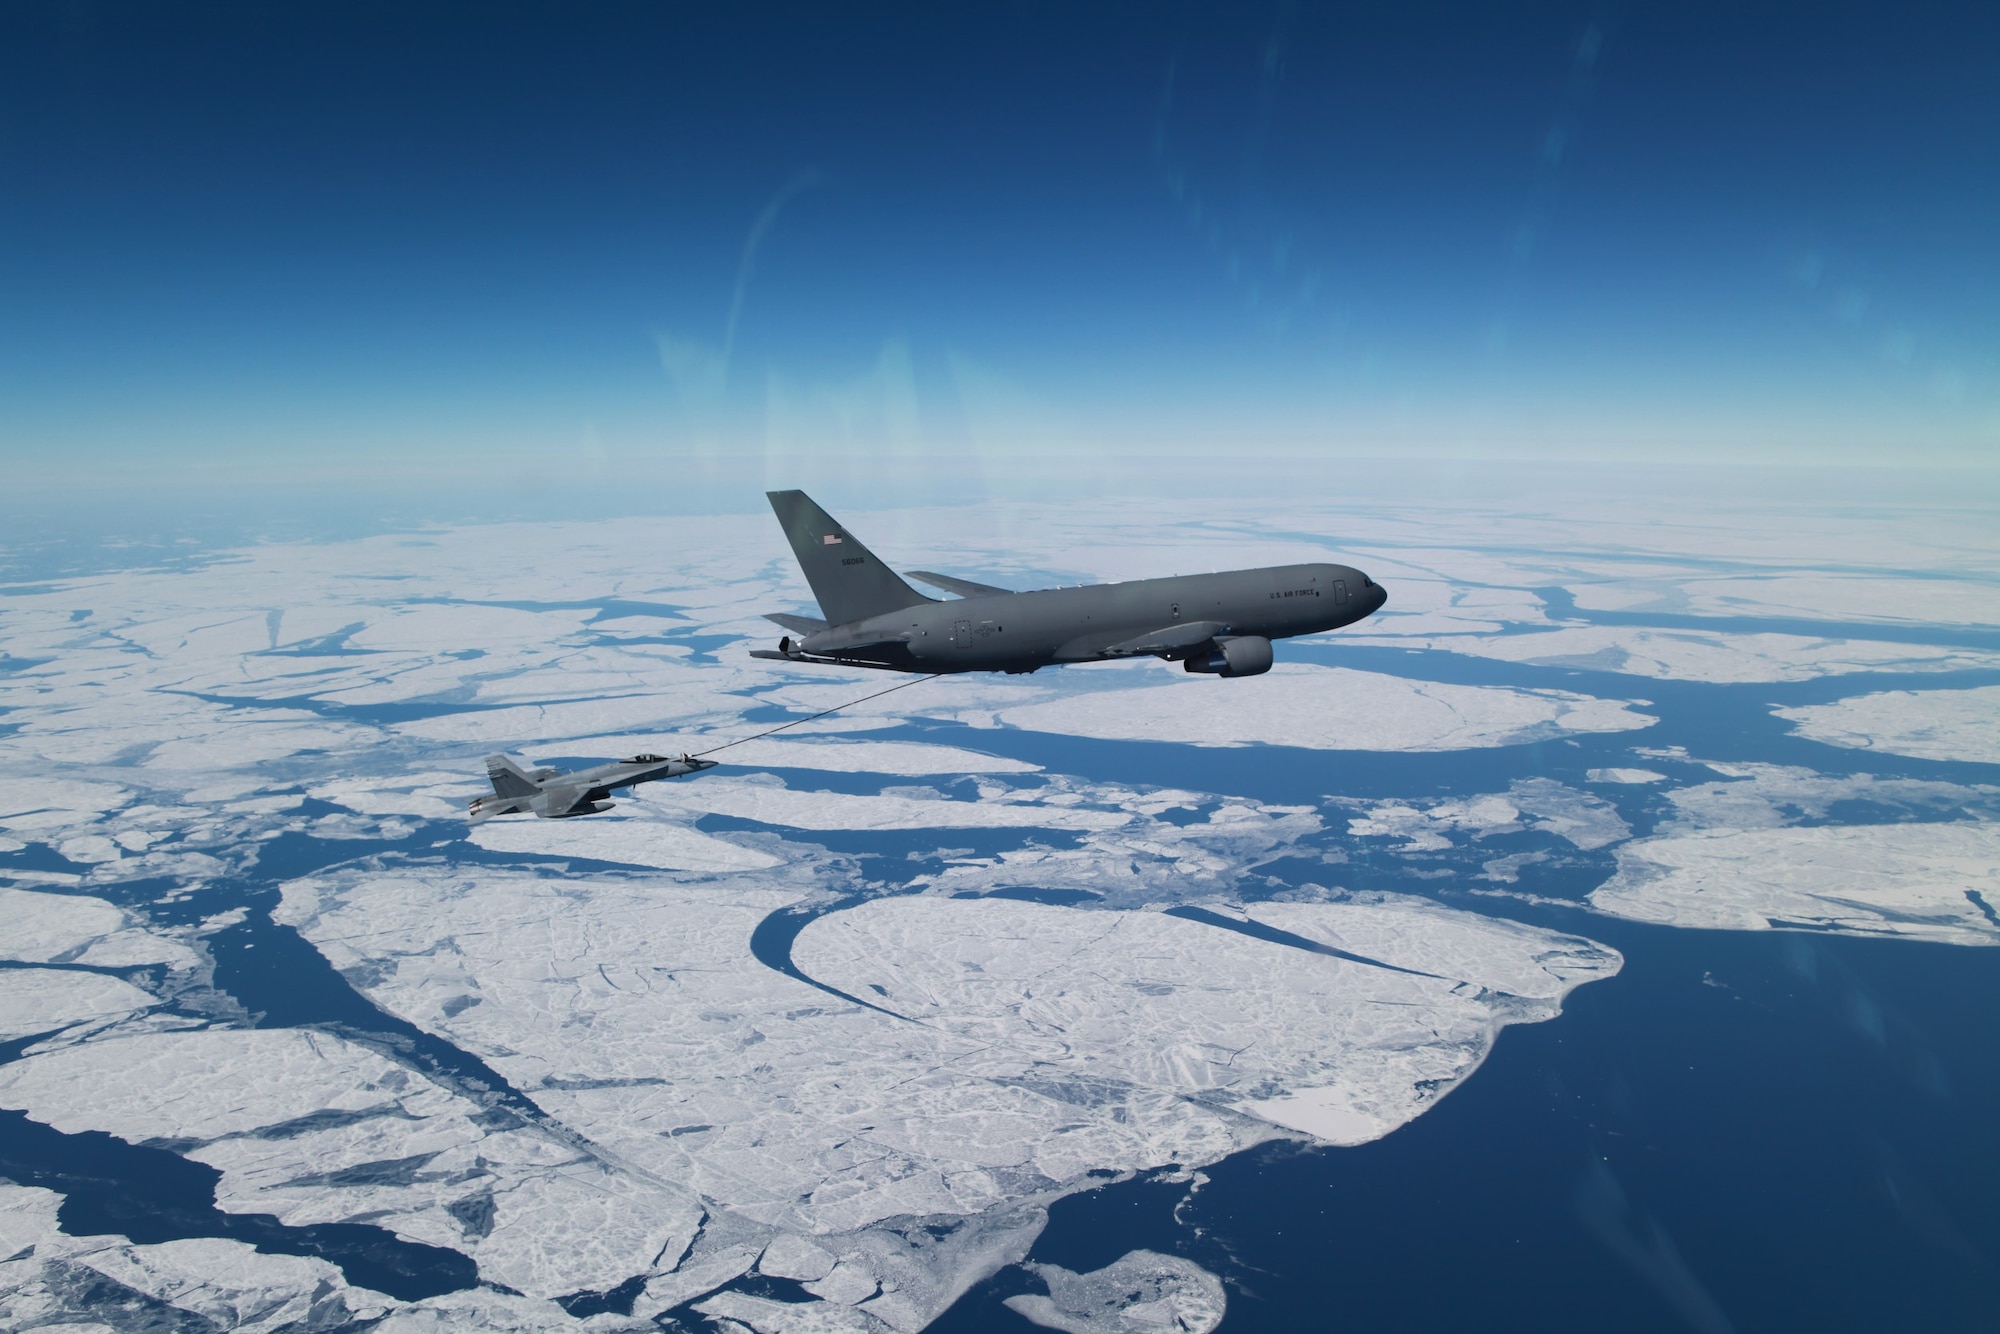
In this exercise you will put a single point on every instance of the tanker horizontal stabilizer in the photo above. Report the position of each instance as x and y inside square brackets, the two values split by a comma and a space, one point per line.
[965, 588]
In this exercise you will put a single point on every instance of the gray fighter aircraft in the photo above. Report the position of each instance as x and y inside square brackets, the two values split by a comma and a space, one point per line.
[1222, 624]
[556, 795]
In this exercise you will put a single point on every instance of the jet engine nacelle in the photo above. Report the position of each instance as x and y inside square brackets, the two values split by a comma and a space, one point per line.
[1236, 655]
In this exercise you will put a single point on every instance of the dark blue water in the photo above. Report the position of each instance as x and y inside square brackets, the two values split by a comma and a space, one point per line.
[152, 1194]
[1748, 1131]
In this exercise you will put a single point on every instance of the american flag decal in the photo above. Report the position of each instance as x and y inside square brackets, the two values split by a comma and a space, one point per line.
[831, 539]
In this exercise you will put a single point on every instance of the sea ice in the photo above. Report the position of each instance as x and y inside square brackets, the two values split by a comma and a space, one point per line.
[1928, 724]
[908, 1147]
[1147, 1001]
[1924, 881]
[1876, 597]
[1324, 708]
[313, 1128]
[1080, 1041]
[1529, 803]
[765, 800]
[53, 928]
[1143, 1292]
[1704, 655]
[51, 801]
[49, 1279]
[540, 724]
[633, 840]
[42, 1000]
[1767, 796]
[903, 758]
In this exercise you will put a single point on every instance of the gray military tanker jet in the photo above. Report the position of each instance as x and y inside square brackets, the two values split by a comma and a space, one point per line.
[1222, 624]
[556, 795]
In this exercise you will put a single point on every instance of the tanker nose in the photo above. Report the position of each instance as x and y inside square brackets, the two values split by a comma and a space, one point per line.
[1373, 595]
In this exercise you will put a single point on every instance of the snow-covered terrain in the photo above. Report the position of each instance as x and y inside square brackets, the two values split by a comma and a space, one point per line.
[1142, 1290]
[1924, 881]
[1930, 724]
[793, 1018]
[1320, 708]
[1706, 655]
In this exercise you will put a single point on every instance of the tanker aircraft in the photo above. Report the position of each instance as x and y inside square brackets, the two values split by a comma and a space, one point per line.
[1221, 624]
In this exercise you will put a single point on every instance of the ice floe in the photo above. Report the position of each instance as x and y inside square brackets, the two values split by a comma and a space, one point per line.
[1718, 655]
[632, 840]
[1323, 708]
[32, 805]
[1923, 881]
[50, 1279]
[1148, 1001]
[1143, 1292]
[1879, 598]
[1928, 724]
[766, 800]
[314, 1128]
[43, 1000]
[903, 758]
[1766, 796]
[1529, 803]
[75, 928]
[994, 1051]
[1625, 776]
[1144, 860]
[53, 928]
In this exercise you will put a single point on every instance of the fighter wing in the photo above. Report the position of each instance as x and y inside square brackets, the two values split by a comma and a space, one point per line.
[965, 588]
[1168, 641]
[481, 809]
[566, 800]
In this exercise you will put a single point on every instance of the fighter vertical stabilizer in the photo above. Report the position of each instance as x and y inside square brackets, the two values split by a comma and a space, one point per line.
[850, 583]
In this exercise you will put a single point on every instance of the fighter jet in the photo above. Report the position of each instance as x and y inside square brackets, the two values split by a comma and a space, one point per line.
[556, 795]
[1221, 624]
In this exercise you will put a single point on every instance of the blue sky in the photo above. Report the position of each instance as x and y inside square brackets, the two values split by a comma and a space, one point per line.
[302, 244]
